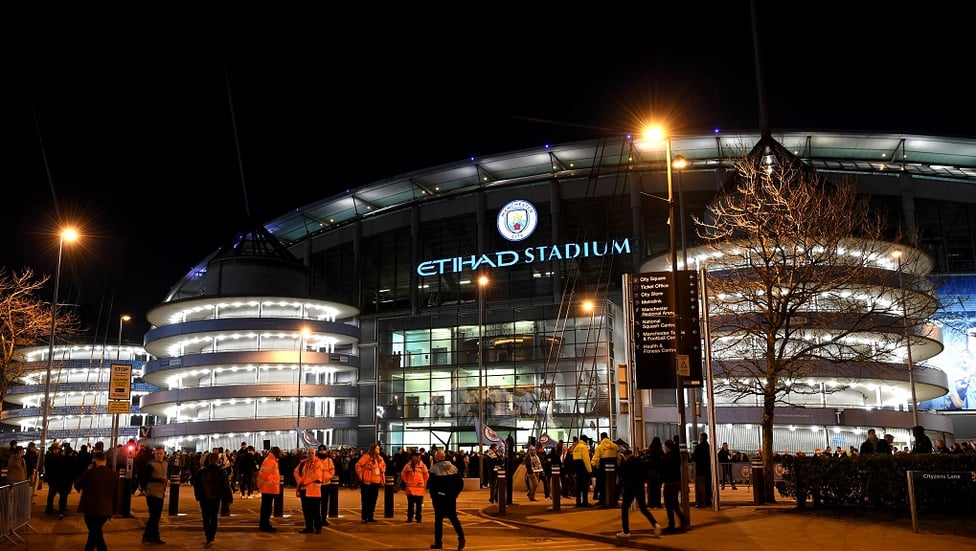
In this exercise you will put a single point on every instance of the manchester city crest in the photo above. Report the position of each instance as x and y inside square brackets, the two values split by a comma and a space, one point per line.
[517, 220]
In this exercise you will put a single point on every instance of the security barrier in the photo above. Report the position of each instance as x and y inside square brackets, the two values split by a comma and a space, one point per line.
[15, 510]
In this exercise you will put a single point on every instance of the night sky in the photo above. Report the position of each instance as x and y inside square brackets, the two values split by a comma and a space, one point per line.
[124, 125]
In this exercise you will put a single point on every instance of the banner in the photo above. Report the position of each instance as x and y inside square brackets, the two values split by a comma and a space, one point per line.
[487, 435]
[307, 438]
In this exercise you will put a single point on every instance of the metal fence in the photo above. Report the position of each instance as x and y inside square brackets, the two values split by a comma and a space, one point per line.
[15, 510]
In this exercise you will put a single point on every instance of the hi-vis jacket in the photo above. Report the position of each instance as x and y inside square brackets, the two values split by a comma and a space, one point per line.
[309, 474]
[371, 471]
[269, 479]
[606, 449]
[414, 477]
[581, 452]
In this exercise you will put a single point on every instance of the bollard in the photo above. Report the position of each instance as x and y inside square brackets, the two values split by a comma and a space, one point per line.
[389, 493]
[502, 485]
[124, 503]
[333, 490]
[610, 486]
[174, 495]
[555, 488]
[278, 505]
[758, 487]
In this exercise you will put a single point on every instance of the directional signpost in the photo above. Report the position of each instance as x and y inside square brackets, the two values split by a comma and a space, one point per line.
[660, 355]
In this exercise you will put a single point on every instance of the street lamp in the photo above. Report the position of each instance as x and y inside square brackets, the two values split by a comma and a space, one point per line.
[69, 235]
[908, 340]
[655, 133]
[482, 283]
[304, 332]
[115, 418]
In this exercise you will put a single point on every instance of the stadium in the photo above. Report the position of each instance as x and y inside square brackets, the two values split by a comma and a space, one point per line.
[487, 297]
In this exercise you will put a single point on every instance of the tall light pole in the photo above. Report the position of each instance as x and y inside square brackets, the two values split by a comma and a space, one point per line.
[657, 133]
[908, 338]
[115, 418]
[303, 333]
[69, 235]
[482, 282]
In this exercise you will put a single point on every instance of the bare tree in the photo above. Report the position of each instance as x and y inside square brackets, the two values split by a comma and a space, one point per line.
[25, 320]
[802, 285]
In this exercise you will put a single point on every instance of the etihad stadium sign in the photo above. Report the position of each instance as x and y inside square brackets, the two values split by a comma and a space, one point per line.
[516, 221]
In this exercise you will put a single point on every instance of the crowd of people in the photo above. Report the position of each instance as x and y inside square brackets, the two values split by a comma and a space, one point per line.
[649, 478]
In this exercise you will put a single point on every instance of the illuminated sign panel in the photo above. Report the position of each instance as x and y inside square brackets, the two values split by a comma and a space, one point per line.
[658, 322]
[529, 255]
[517, 220]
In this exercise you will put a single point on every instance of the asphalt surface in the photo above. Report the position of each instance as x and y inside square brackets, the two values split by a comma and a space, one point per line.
[737, 523]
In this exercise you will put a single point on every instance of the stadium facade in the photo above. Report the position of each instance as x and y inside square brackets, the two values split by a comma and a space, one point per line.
[81, 374]
[362, 317]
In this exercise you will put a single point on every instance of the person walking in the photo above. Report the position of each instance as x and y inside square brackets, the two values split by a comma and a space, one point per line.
[153, 478]
[59, 473]
[725, 460]
[247, 467]
[414, 477]
[324, 457]
[98, 499]
[211, 488]
[533, 470]
[702, 456]
[269, 484]
[308, 479]
[652, 460]
[671, 478]
[371, 469]
[445, 486]
[633, 475]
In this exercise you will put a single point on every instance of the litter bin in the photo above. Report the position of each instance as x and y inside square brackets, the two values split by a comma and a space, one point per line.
[758, 487]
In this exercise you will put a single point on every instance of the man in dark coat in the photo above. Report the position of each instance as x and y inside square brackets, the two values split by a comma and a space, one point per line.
[445, 484]
[702, 456]
[98, 499]
[59, 473]
[923, 444]
[211, 487]
[633, 475]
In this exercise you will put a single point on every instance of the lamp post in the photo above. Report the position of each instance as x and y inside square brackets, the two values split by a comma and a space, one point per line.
[482, 282]
[303, 333]
[658, 134]
[908, 339]
[67, 234]
[115, 417]
[679, 162]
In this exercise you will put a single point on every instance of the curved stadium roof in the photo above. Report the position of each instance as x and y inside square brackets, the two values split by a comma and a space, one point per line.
[937, 158]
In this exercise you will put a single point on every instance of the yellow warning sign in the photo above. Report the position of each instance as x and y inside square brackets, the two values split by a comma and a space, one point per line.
[118, 406]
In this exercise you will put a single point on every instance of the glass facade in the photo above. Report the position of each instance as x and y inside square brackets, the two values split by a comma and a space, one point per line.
[537, 376]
